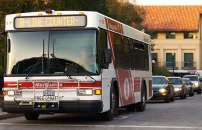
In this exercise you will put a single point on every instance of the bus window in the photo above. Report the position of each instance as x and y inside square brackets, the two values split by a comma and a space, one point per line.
[146, 52]
[126, 53]
[142, 58]
[118, 52]
[137, 55]
[132, 57]
[103, 43]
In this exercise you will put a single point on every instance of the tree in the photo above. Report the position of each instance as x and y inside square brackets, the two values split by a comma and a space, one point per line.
[121, 10]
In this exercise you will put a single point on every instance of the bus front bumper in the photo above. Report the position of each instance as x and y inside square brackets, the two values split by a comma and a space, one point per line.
[80, 106]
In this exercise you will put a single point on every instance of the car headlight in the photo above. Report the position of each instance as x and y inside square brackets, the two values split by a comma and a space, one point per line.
[196, 84]
[178, 89]
[162, 90]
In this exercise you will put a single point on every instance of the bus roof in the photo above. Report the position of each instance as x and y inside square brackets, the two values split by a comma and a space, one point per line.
[71, 19]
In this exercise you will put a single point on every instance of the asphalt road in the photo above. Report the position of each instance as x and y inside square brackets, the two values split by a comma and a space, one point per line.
[180, 115]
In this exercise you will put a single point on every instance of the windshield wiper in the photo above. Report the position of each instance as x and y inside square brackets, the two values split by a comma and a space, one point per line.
[37, 63]
[58, 63]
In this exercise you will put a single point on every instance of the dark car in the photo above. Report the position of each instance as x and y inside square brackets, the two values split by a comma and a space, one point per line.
[190, 86]
[197, 84]
[200, 79]
[179, 87]
[162, 89]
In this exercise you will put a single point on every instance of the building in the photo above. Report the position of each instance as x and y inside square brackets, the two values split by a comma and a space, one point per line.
[176, 35]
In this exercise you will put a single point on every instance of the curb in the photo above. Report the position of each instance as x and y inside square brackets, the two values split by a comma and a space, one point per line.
[10, 115]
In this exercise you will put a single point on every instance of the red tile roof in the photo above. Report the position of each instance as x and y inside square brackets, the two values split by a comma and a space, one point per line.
[172, 17]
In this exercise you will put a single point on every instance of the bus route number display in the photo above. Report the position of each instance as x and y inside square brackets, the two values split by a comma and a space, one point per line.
[50, 21]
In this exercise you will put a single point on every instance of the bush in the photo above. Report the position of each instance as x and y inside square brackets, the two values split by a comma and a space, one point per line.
[157, 70]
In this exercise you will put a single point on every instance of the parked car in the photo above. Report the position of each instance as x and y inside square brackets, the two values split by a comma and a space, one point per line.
[179, 87]
[162, 89]
[197, 84]
[190, 86]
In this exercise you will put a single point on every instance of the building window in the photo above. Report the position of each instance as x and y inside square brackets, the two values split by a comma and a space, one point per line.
[170, 60]
[154, 57]
[188, 35]
[188, 59]
[170, 35]
[154, 35]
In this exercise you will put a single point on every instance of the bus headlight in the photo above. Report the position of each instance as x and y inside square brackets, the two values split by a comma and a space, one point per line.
[14, 93]
[85, 92]
[162, 90]
[11, 93]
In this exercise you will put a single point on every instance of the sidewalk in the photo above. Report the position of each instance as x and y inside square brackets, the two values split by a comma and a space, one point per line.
[5, 115]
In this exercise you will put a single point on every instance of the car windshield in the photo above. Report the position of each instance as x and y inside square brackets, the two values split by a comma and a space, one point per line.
[159, 80]
[200, 79]
[175, 81]
[187, 82]
[192, 78]
[52, 52]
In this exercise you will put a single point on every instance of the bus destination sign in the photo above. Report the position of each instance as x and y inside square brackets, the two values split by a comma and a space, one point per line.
[50, 21]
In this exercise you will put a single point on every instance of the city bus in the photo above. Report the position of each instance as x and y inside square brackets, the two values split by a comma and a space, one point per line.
[74, 62]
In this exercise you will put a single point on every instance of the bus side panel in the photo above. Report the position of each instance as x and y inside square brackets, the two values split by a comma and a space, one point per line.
[107, 76]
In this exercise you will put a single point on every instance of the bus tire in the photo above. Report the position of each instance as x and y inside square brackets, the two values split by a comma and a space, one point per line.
[140, 107]
[109, 115]
[29, 116]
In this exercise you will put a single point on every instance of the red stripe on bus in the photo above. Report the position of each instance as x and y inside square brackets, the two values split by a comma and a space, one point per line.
[124, 78]
[114, 26]
[53, 84]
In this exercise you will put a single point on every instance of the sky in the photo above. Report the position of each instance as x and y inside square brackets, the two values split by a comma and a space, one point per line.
[170, 2]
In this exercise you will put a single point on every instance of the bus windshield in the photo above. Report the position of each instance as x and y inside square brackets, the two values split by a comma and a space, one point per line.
[52, 52]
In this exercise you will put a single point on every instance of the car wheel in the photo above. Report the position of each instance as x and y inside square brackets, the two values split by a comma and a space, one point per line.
[199, 91]
[109, 115]
[185, 96]
[31, 116]
[182, 97]
[140, 107]
[168, 97]
[172, 98]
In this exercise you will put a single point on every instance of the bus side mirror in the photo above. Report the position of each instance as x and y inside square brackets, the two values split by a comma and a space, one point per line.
[107, 56]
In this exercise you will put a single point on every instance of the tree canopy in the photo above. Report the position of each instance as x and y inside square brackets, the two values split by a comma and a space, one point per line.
[121, 10]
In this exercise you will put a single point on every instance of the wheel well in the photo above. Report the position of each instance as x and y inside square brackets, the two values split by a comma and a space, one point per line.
[115, 85]
[145, 87]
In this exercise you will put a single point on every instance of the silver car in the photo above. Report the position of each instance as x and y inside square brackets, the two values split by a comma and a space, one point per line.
[179, 87]
[190, 86]
[197, 84]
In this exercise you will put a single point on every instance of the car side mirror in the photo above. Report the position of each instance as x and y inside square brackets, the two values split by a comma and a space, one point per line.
[107, 56]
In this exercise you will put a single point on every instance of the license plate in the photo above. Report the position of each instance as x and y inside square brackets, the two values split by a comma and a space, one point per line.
[49, 93]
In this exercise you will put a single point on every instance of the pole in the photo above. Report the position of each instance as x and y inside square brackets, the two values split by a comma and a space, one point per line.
[173, 64]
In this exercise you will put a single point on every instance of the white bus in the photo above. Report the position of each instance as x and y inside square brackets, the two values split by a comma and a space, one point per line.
[74, 62]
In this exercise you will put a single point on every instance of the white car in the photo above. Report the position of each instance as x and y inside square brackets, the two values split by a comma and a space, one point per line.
[197, 84]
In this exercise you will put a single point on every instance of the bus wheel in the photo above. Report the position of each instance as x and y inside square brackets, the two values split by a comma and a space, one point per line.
[29, 116]
[109, 115]
[140, 107]
[130, 108]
